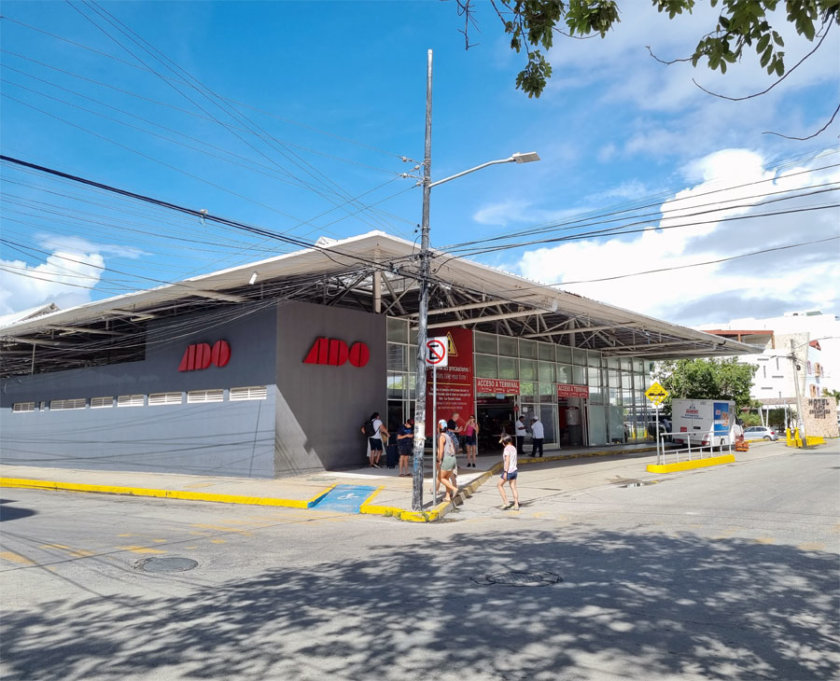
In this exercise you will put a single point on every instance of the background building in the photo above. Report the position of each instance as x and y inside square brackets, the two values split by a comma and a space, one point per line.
[799, 351]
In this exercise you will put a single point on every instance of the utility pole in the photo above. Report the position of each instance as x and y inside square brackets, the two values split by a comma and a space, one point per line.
[801, 414]
[420, 393]
[423, 307]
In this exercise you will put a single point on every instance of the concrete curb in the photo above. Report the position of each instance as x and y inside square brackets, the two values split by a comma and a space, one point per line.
[368, 507]
[690, 465]
[54, 485]
[494, 470]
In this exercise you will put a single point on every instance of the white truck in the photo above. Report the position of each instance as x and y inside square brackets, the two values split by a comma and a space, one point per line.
[702, 423]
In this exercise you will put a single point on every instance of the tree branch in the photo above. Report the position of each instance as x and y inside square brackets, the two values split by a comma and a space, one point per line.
[764, 92]
[802, 139]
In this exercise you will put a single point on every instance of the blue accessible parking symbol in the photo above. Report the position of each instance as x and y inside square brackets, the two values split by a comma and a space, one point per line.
[345, 498]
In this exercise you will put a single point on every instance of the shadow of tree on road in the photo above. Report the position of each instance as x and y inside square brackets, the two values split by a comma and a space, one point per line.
[631, 605]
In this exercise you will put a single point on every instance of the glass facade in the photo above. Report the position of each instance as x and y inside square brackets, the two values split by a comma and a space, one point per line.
[615, 411]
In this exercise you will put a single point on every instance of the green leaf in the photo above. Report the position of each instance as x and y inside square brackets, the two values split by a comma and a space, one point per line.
[765, 58]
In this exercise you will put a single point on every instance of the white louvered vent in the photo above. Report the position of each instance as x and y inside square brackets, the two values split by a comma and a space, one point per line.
[203, 396]
[157, 399]
[254, 392]
[62, 405]
[20, 407]
[101, 402]
[131, 401]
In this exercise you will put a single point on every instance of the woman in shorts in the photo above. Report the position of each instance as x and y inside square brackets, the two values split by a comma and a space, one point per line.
[509, 473]
[446, 461]
[471, 440]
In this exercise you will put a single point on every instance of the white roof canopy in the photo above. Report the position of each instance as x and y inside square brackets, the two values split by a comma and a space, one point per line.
[376, 272]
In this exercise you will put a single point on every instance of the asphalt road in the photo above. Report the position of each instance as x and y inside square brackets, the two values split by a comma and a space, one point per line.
[724, 573]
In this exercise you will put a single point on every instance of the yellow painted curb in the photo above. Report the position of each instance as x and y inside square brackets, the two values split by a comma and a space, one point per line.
[689, 465]
[162, 493]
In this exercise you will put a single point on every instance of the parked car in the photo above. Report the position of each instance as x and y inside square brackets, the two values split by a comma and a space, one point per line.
[760, 433]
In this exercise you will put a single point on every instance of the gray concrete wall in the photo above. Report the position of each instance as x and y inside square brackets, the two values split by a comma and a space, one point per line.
[323, 406]
[227, 438]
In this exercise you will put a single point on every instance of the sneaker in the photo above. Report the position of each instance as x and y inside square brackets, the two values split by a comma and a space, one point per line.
[516, 507]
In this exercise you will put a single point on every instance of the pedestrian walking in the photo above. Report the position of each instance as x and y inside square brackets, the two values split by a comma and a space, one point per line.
[453, 425]
[509, 474]
[537, 436]
[519, 430]
[446, 461]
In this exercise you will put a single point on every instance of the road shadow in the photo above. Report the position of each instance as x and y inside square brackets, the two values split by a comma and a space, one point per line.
[626, 605]
[13, 512]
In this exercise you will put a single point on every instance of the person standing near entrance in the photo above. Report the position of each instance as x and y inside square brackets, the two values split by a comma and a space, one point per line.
[519, 428]
[376, 439]
[509, 474]
[405, 441]
[471, 440]
[537, 435]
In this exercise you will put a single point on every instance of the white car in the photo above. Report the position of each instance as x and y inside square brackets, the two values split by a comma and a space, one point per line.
[760, 433]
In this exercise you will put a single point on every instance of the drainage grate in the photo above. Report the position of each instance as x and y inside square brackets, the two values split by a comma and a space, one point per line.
[519, 578]
[171, 564]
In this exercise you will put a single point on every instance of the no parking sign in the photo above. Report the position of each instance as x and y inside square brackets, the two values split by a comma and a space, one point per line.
[436, 352]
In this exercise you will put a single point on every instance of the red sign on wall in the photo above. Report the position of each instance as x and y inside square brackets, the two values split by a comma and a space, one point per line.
[568, 390]
[455, 394]
[335, 352]
[497, 386]
[199, 356]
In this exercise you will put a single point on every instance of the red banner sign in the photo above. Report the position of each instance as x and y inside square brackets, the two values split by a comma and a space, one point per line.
[497, 386]
[454, 382]
[568, 390]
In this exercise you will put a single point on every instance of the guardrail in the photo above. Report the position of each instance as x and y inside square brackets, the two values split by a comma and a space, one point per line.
[688, 453]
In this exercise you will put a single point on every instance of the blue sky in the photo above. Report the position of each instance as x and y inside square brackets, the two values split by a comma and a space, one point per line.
[294, 117]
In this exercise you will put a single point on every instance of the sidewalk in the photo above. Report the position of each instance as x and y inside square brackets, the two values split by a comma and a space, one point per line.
[379, 491]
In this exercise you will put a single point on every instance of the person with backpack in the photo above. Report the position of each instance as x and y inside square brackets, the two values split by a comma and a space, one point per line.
[446, 461]
[374, 429]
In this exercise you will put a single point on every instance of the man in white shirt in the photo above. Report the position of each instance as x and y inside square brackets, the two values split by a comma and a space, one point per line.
[537, 435]
[519, 427]
[376, 440]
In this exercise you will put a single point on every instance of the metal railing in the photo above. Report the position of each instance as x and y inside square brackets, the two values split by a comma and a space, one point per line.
[688, 453]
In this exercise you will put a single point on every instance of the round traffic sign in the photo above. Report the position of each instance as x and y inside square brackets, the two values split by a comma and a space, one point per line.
[435, 351]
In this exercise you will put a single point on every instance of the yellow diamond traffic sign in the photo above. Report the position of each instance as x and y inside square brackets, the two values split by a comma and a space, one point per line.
[656, 393]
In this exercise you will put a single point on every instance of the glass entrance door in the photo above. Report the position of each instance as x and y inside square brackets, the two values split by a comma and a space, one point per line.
[572, 428]
[495, 415]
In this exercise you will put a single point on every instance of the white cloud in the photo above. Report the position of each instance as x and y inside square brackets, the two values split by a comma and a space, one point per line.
[65, 278]
[804, 277]
[76, 244]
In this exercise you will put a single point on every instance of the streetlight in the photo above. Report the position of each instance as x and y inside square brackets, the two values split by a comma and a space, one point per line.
[423, 312]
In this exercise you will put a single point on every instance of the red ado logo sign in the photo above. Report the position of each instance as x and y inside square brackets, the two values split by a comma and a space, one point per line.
[199, 356]
[335, 352]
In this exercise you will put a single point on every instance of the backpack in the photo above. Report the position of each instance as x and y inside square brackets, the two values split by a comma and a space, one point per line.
[456, 441]
[367, 429]
[449, 445]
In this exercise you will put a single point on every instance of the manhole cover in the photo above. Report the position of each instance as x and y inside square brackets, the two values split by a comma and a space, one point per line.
[171, 564]
[519, 578]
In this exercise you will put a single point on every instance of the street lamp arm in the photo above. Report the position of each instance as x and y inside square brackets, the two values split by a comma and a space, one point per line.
[514, 158]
